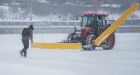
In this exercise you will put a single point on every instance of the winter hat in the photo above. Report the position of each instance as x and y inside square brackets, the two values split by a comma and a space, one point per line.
[31, 27]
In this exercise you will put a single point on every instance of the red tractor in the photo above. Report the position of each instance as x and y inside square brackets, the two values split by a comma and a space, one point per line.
[92, 25]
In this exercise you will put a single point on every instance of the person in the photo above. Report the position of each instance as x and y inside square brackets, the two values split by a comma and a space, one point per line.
[27, 34]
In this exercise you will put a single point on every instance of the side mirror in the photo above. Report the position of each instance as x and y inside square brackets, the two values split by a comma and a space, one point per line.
[78, 17]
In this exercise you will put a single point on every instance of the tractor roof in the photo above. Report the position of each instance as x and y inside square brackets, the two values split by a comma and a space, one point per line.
[94, 14]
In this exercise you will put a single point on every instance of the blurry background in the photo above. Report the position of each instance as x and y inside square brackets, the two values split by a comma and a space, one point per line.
[60, 14]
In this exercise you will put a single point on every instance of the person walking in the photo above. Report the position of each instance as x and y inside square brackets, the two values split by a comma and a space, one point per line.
[27, 34]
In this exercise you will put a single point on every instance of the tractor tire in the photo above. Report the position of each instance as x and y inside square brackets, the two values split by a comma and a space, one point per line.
[89, 40]
[109, 42]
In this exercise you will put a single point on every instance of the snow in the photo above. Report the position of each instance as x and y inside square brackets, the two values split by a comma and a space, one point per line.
[9, 26]
[43, 1]
[124, 59]
[111, 5]
[4, 7]
[137, 13]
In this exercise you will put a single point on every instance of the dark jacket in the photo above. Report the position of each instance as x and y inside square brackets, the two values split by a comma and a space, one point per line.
[28, 34]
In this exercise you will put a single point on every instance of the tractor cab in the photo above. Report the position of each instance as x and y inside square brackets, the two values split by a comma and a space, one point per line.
[93, 22]
[91, 19]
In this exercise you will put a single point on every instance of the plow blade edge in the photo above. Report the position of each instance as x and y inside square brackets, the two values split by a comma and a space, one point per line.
[64, 46]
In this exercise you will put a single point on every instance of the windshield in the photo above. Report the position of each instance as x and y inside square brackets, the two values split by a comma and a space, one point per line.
[87, 20]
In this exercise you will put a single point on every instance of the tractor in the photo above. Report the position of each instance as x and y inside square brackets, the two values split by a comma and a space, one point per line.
[92, 25]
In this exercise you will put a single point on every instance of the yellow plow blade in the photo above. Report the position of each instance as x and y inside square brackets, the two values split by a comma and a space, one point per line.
[73, 46]
[117, 23]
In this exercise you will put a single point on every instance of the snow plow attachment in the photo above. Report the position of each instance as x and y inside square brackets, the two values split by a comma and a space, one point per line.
[97, 41]
[73, 46]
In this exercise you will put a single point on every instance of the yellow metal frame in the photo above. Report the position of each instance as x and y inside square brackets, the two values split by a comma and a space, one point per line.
[98, 41]
[117, 23]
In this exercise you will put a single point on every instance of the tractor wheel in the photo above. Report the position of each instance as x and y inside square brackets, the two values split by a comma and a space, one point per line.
[109, 42]
[89, 41]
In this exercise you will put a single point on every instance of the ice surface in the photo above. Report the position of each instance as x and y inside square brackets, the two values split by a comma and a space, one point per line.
[124, 59]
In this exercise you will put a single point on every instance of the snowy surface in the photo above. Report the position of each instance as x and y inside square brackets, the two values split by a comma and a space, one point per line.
[124, 59]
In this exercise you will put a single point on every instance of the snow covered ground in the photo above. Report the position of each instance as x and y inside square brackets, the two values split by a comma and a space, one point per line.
[124, 59]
